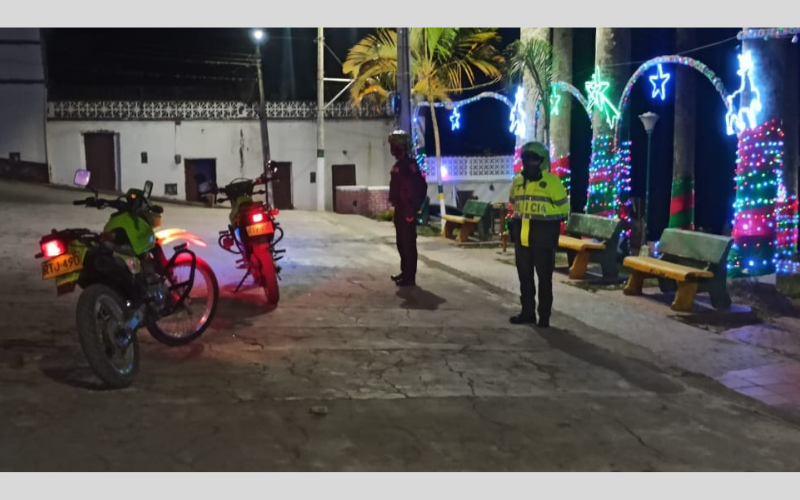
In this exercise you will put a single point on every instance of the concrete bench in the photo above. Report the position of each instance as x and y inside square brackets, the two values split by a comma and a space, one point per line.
[474, 213]
[697, 262]
[591, 238]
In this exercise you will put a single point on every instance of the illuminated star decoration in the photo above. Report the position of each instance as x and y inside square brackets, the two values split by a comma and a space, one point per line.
[659, 88]
[556, 100]
[518, 115]
[454, 117]
[596, 89]
[745, 117]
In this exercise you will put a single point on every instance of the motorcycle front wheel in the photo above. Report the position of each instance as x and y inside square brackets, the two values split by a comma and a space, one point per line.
[193, 317]
[100, 315]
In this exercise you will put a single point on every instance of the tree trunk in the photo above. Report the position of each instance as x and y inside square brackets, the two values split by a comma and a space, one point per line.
[531, 93]
[561, 122]
[792, 144]
[681, 209]
[561, 117]
[437, 144]
[612, 50]
[754, 234]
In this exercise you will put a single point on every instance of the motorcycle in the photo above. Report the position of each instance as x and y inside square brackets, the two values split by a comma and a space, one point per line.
[128, 282]
[253, 233]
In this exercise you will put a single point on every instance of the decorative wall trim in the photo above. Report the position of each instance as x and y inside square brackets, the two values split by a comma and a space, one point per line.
[472, 168]
[200, 110]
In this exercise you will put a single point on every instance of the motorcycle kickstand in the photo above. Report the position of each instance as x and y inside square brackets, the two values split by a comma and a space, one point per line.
[242, 282]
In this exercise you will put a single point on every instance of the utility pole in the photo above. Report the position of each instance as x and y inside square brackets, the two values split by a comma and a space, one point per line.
[320, 121]
[404, 79]
[258, 36]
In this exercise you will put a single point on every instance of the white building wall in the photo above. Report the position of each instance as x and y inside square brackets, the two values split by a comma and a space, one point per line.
[22, 105]
[234, 144]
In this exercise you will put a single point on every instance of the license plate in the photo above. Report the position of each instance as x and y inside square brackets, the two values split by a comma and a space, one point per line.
[259, 229]
[63, 264]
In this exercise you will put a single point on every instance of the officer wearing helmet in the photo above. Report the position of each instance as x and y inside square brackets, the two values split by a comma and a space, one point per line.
[407, 190]
[540, 203]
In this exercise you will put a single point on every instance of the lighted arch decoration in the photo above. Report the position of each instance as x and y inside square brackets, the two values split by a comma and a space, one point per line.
[568, 87]
[685, 61]
[560, 166]
[517, 128]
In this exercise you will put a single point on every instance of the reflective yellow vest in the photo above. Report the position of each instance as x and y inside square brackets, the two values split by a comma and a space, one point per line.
[542, 200]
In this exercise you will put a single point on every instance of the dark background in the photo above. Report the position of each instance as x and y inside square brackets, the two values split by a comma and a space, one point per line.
[216, 63]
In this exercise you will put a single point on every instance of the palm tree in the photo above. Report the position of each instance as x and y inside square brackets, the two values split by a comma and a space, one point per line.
[535, 57]
[444, 61]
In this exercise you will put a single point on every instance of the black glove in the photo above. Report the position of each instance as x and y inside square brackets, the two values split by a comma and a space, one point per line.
[513, 232]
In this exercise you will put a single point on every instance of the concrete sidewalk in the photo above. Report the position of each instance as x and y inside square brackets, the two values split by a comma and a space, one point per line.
[646, 324]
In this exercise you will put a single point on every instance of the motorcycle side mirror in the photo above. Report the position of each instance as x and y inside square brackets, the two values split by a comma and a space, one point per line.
[82, 178]
[148, 188]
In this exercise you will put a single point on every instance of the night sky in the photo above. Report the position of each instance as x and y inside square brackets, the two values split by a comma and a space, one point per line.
[195, 63]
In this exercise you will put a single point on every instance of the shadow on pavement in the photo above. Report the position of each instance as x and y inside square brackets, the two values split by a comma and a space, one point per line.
[418, 298]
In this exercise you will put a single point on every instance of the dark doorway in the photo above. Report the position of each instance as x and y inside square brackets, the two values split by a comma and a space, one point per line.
[101, 160]
[342, 175]
[198, 171]
[282, 186]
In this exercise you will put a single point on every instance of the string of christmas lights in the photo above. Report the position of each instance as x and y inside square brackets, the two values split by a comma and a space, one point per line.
[567, 87]
[622, 187]
[758, 172]
[602, 197]
[685, 61]
[787, 221]
[560, 168]
[787, 267]
[767, 33]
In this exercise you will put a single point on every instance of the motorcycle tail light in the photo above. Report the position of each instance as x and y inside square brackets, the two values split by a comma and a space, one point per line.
[257, 217]
[53, 248]
[275, 212]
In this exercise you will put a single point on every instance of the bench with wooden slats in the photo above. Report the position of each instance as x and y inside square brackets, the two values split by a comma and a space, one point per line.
[474, 212]
[697, 262]
[591, 238]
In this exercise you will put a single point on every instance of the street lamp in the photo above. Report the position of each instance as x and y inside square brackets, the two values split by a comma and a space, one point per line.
[649, 120]
[259, 37]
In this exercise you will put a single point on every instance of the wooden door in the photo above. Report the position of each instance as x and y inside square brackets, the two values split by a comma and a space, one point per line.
[196, 171]
[101, 160]
[282, 186]
[342, 175]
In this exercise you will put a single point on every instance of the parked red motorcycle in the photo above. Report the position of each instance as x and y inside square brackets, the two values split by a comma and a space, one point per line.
[253, 233]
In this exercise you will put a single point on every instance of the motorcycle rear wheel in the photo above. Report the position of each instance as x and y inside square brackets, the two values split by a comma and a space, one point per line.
[100, 313]
[263, 266]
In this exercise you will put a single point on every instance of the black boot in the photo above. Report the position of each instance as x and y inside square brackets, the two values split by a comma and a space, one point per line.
[405, 282]
[522, 318]
[526, 316]
[544, 322]
[397, 277]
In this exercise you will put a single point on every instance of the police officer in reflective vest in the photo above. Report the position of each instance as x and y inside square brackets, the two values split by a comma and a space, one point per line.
[540, 204]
